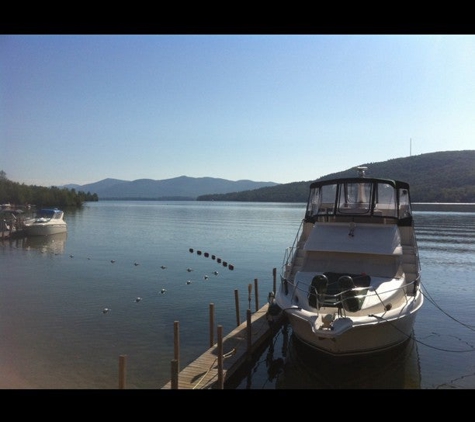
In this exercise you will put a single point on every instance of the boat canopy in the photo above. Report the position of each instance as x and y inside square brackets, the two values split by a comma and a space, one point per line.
[359, 196]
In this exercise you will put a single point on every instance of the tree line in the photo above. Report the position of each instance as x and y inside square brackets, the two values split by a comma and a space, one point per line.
[19, 194]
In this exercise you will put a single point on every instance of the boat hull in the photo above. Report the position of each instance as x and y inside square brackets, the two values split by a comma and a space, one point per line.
[358, 341]
[44, 229]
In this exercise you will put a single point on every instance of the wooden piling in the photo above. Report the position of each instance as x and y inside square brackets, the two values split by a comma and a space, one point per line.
[211, 324]
[174, 375]
[274, 276]
[256, 293]
[176, 354]
[220, 358]
[249, 331]
[122, 371]
[236, 300]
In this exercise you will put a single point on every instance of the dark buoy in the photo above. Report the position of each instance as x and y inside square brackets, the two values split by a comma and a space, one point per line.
[219, 260]
[213, 256]
[191, 250]
[206, 254]
[198, 252]
[225, 264]
[231, 266]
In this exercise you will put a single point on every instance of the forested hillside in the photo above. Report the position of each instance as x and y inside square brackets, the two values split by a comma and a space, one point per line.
[20, 195]
[434, 177]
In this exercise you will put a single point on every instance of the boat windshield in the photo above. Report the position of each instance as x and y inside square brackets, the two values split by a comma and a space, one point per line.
[357, 197]
[48, 213]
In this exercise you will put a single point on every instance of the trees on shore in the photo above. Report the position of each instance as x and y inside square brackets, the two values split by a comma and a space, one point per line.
[18, 194]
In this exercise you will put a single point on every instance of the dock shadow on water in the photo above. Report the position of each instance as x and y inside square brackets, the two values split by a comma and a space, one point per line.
[287, 363]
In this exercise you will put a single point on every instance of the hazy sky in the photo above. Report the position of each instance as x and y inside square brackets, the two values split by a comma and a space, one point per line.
[281, 108]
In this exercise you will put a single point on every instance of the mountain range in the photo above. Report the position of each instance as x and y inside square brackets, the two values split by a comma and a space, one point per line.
[446, 176]
[178, 188]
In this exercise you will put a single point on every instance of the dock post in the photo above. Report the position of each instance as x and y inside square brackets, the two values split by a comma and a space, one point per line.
[274, 276]
[211, 324]
[249, 332]
[220, 358]
[176, 332]
[249, 291]
[174, 375]
[236, 300]
[122, 371]
[256, 290]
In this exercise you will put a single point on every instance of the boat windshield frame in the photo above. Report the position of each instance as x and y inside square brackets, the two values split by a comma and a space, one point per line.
[359, 197]
[48, 213]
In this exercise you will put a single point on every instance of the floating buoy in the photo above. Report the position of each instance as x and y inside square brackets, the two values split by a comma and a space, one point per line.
[231, 266]
[136, 263]
[206, 254]
[71, 256]
[215, 273]
[138, 299]
[188, 282]
[198, 252]
[219, 260]
[225, 264]
[162, 291]
[163, 267]
[112, 260]
[205, 277]
[213, 256]
[105, 310]
[191, 250]
[189, 270]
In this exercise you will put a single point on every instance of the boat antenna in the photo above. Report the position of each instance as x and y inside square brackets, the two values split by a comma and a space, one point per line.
[362, 171]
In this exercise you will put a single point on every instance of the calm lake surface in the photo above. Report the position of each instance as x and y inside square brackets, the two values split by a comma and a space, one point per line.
[55, 335]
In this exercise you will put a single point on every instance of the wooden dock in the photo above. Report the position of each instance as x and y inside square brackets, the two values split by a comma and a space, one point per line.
[238, 347]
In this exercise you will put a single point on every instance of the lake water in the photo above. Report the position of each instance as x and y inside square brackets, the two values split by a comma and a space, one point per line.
[55, 334]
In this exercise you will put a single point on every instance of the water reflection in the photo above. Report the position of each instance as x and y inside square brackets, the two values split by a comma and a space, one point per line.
[304, 368]
[287, 363]
[50, 244]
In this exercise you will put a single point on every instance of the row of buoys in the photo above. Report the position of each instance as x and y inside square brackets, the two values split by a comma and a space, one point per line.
[213, 257]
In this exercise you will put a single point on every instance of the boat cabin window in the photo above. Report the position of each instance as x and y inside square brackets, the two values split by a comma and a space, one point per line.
[385, 200]
[357, 198]
[404, 204]
[322, 200]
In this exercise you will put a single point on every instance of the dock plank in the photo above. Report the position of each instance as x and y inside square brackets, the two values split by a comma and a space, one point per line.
[202, 373]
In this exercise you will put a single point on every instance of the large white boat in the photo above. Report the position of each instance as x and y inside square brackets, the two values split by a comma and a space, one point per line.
[350, 284]
[47, 221]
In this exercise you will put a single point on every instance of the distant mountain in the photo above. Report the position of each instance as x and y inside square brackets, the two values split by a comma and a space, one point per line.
[178, 188]
[447, 176]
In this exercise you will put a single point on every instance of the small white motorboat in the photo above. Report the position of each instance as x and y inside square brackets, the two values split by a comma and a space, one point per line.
[46, 222]
[350, 284]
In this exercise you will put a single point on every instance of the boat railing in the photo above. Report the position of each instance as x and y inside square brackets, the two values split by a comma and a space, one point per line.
[351, 299]
[289, 254]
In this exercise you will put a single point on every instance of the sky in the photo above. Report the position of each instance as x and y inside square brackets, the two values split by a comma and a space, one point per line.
[280, 108]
